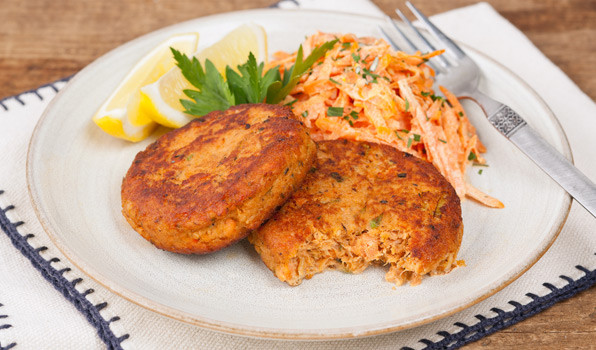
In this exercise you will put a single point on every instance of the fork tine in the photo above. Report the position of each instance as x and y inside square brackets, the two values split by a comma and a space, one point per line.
[403, 35]
[406, 38]
[389, 38]
[436, 31]
[440, 59]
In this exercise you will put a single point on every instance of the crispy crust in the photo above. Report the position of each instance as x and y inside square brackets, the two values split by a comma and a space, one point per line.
[364, 204]
[202, 187]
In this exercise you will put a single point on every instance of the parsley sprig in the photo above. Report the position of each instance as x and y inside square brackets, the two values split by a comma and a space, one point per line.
[246, 85]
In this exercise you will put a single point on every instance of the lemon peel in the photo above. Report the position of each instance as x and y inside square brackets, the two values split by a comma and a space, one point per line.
[123, 114]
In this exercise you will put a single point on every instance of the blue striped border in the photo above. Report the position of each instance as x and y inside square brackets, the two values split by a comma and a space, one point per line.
[34, 91]
[57, 279]
[5, 325]
[502, 320]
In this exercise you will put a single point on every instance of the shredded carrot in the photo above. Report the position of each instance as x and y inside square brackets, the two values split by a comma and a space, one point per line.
[380, 95]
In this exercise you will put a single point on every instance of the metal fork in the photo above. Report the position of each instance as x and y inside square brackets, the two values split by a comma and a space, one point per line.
[462, 77]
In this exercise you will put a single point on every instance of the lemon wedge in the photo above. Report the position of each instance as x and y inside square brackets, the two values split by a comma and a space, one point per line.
[123, 115]
[161, 99]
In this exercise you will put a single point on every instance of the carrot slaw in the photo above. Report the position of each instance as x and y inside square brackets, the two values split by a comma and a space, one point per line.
[364, 90]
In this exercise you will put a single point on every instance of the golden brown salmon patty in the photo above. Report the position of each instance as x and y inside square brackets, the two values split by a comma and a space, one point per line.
[204, 186]
[363, 204]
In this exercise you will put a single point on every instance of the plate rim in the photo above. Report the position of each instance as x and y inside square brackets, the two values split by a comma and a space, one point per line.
[259, 332]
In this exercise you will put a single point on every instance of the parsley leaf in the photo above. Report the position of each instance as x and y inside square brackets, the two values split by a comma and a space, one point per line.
[246, 85]
[214, 93]
[250, 86]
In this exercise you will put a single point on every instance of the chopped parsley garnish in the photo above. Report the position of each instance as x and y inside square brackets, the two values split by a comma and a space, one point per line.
[409, 142]
[336, 176]
[354, 115]
[374, 223]
[407, 105]
[443, 141]
[416, 137]
[471, 156]
[335, 111]
[368, 73]
[425, 93]
[356, 57]
[347, 118]
[461, 114]
[435, 97]
[334, 81]
[304, 114]
[424, 60]
[480, 171]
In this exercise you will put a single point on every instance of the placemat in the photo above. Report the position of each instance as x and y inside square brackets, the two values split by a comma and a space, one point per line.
[46, 302]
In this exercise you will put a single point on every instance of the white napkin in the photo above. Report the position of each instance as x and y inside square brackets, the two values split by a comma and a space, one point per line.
[34, 315]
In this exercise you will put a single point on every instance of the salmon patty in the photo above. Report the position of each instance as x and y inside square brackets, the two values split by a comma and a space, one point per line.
[204, 186]
[361, 204]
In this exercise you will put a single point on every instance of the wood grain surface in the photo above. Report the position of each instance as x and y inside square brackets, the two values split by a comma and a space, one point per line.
[45, 40]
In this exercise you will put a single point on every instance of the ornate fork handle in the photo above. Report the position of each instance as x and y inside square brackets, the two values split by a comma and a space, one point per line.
[515, 128]
[506, 120]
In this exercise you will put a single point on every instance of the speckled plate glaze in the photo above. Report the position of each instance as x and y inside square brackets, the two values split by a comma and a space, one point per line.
[74, 174]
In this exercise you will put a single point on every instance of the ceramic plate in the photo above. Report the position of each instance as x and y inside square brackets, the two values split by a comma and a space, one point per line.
[75, 172]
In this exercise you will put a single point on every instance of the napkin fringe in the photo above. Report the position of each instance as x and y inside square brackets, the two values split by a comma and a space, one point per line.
[503, 319]
[35, 92]
[4, 325]
[57, 279]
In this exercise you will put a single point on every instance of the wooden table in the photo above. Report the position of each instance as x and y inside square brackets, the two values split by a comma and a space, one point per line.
[43, 40]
